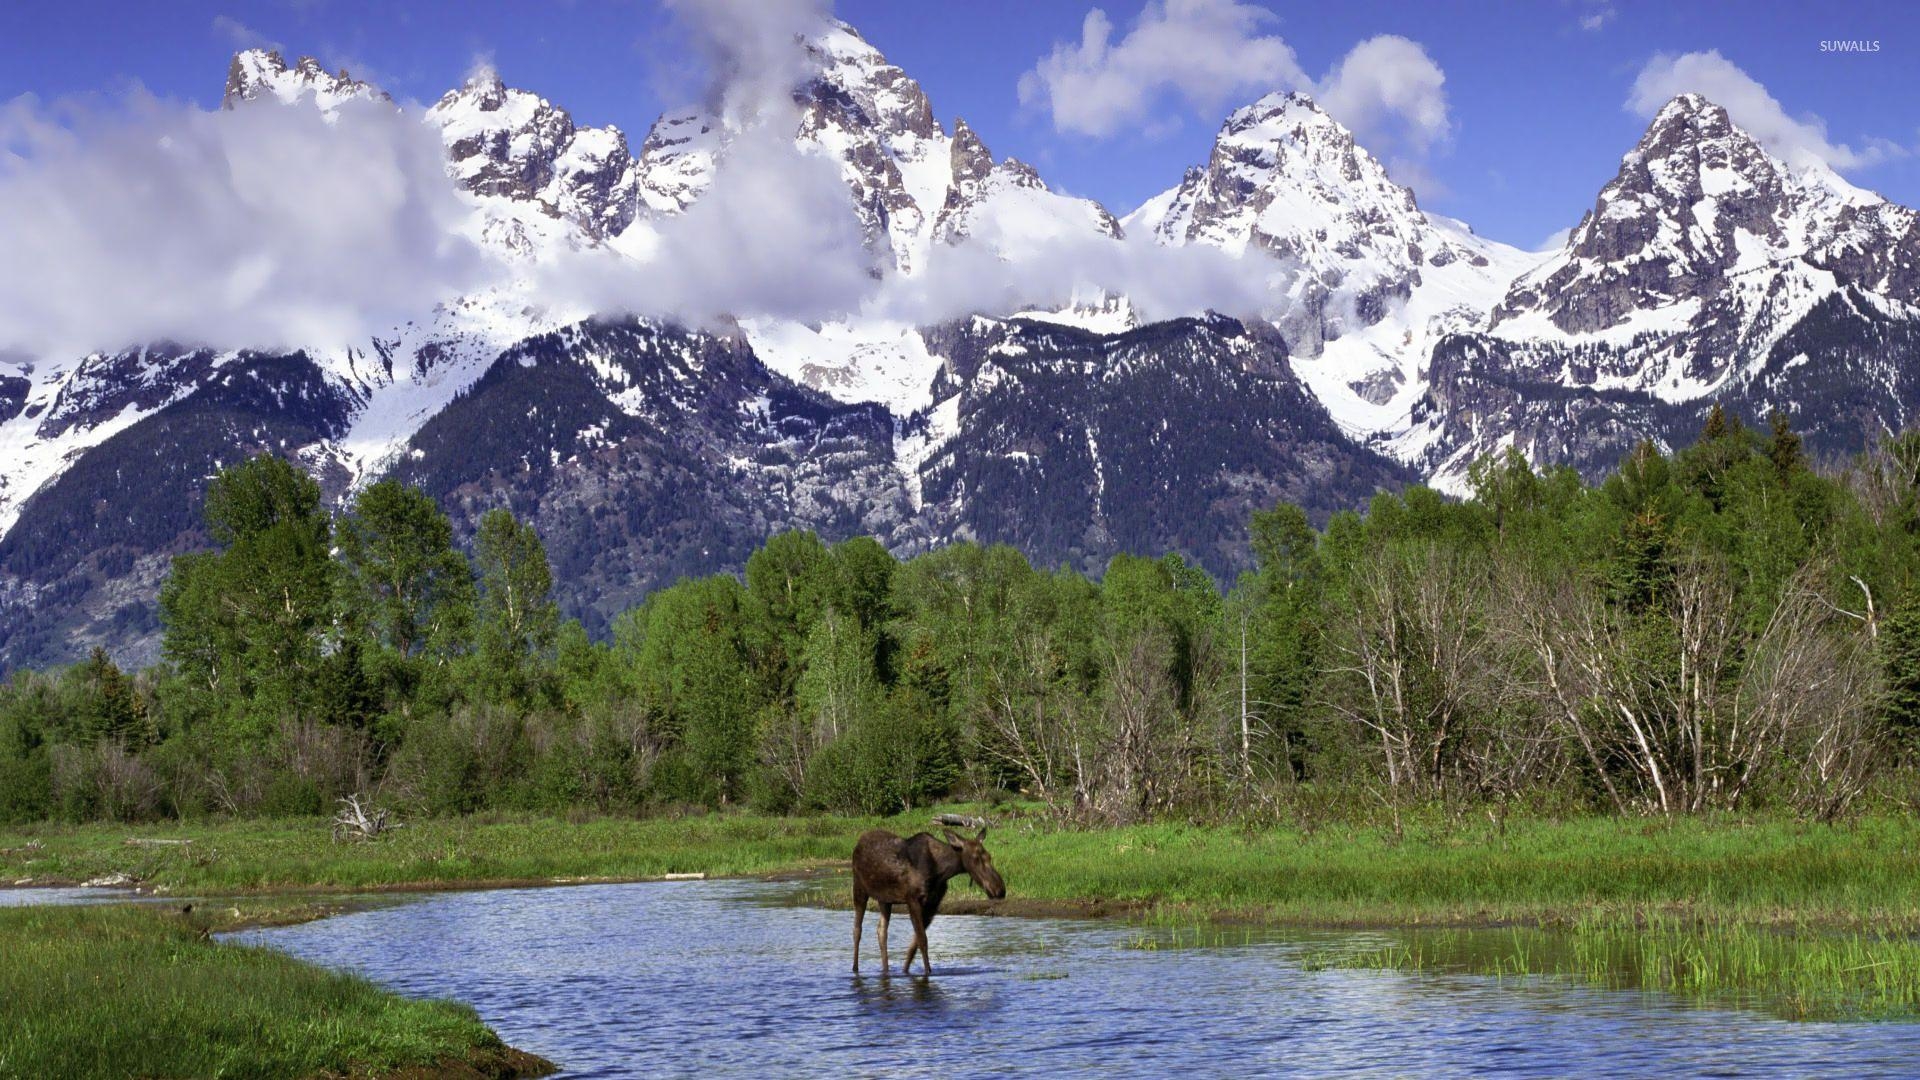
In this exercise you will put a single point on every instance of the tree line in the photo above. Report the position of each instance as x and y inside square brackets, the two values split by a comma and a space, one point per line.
[1722, 627]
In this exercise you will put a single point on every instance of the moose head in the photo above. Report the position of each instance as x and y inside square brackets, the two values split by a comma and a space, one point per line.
[977, 861]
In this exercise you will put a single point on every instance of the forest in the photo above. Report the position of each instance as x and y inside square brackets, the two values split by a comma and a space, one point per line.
[1730, 626]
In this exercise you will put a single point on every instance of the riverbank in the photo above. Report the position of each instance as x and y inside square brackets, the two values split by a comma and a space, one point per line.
[125, 990]
[1816, 916]
[1861, 874]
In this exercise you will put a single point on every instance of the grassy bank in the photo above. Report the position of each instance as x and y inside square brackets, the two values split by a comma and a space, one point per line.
[1862, 874]
[1799, 973]
[1811, 918]
[112, 991]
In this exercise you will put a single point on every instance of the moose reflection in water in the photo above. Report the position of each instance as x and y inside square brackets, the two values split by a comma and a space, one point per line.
[915, 872]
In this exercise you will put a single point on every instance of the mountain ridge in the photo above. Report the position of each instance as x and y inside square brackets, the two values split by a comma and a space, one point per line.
[1398, 347]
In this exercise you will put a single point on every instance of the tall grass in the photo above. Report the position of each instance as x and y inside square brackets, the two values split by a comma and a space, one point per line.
[1809, 919]
[117, 991]
[1862, 875]
[1803, 973]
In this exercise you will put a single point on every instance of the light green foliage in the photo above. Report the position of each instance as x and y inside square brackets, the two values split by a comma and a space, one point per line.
[1722, 627]
[247, 624]
[517, 619]
[403, 583]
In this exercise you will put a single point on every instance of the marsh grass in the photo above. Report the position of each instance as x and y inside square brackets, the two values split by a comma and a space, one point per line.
[119, 990]
[1810, 919]
[1801, 974]
[299, 853]
[1861, 875]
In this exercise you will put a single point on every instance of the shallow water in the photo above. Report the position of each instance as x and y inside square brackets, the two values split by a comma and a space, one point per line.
[22, 897]
[679, 978]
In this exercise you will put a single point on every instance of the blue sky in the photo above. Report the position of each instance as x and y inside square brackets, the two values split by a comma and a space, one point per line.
[1536, 117]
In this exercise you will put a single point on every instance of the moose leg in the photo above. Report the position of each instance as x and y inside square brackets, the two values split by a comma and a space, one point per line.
[860, 916]
[886, 916]
[919, 941]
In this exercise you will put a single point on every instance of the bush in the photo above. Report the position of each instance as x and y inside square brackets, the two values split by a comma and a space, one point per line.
[904, 757]
[26, 788]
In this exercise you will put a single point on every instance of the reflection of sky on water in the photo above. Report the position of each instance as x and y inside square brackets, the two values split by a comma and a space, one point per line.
[702, 977]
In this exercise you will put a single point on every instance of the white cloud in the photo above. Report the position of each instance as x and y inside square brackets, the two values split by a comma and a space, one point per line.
[1204, 56]
[1393, 97]
[1555, 240]
[1758, 112]
[241, 36]
[270, 226]
[750, 50]
[1596, 16]
[1209, 53]
[257, 226]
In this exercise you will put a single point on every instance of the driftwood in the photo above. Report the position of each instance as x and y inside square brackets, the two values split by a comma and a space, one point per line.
[143, 842]
[357, 822]
[960, 821]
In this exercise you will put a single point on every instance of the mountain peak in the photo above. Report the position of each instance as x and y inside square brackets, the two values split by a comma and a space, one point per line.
[263, 73]
[485, 88]
[1698, 205]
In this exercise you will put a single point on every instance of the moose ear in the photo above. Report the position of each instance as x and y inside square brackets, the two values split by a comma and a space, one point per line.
[951, 839]
[982, 834]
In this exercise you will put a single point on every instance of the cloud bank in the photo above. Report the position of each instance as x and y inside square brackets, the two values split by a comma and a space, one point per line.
[275, 226]
[1722, 82]
[265, 227]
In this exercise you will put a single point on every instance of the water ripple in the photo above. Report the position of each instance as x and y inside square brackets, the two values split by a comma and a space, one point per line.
[685, 978]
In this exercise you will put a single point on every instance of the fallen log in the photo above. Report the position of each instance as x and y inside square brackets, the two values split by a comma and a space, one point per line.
[357, 822]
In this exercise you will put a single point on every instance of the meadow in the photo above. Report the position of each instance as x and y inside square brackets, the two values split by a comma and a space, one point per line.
[125, 990]
[1802, 919]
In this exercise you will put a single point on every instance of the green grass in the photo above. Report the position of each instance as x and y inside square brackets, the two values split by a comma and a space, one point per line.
[1862, 875]
[299, 853]
[113, 991]
[1806, 973]
[1808, 919]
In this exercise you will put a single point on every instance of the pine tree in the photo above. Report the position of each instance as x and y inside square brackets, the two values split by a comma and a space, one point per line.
[113, 710]
[1716, 427]
[1784, 448]
[1899, 643]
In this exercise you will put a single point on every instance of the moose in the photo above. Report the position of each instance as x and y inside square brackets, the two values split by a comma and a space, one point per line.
[915, 872]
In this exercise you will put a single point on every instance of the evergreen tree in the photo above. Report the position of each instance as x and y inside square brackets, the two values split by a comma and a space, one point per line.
[1899, 643]
[1784, 449]
[111, 709]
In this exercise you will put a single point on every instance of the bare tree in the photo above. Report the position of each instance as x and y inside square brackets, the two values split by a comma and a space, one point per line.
[1687, 704]
[1412, 651]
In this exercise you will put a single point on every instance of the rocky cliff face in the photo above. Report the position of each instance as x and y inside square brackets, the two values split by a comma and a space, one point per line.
[1709, 269]
[517, 145]
[1398, 346]
[1697, 206]
[913, 185]
[1287, 179]
[262, 73]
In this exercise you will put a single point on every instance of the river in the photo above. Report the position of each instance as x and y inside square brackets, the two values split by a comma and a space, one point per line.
[731, 978]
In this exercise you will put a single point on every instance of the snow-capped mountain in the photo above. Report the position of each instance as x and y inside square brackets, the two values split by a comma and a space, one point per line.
[257, 74]
[1374, 280]
[1397, 346]
[642, 450]
[518, 146]
[913, 184]
[1709, 269]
